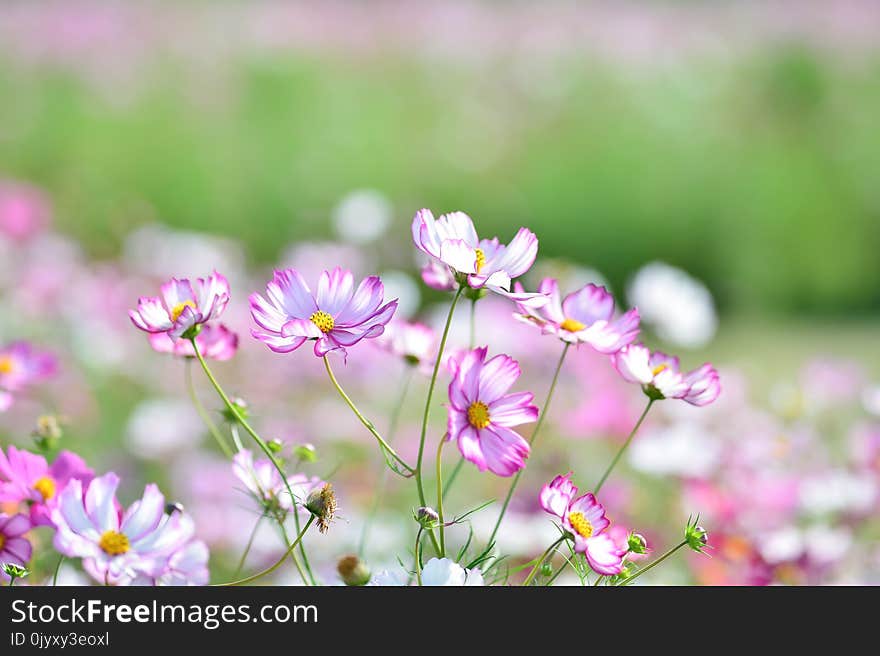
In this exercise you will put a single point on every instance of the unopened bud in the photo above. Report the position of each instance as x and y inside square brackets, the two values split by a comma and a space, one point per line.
[427, 518]
[238, 411]
[636, 543]
[696, 536]
[305, 452]
[353, 571]
[275, 445]
[14, 571]
[47, 432]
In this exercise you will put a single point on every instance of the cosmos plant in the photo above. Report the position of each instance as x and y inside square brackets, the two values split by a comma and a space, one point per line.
[494, 424]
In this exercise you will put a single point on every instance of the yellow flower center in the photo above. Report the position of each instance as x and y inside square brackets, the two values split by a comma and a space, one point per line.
[660, 368]
[323, 321]
[580, 524]
[178, 309]
[114, 543]
[572, 325]
[46, 487]
[481, 259]
[2, 541]
[478, 414]
[7, 364]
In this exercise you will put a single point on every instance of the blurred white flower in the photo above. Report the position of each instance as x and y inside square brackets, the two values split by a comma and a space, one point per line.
[826, 544]
[838, 491]
[405, 289]
[783, 545]
[157, 250]
[159, 427]
[678, 306]
[362, 216]
[871, 400]
[683, 449]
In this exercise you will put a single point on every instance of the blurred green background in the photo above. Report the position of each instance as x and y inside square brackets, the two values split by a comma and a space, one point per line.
[757, 173]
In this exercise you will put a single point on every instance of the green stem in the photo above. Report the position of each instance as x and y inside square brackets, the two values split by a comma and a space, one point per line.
[269, 570]
[206, 418]
[418, 556]
[541, 560]
[383, 483]
[366, 422]
[654, 564]
[427, 413]
[233, 410]
[57, 569]
[598, 580]
[531, 439]
[623, 448]
[250, 543]
[453, 476]
[12, 580]
[442, 528]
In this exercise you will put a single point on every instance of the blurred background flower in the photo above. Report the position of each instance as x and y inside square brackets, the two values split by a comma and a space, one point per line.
[713, 164]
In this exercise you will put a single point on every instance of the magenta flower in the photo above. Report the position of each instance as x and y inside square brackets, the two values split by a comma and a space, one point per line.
[661, 378]
[14, 547]
[117, 546]
[24, 210]
[263, 482]
[585, 316]
[21, 366]
[336, 316]
[27, 478]
[584, 519]
[182, 306]
[481, 414]
[458, 254]
[215, 342]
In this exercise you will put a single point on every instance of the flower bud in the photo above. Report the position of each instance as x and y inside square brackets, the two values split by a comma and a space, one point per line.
[275, 445]
[353, 571]
[546, 570]
[427, 518]
[306, 452]
[14, 571]
[47, 432]
[322, 504]
[240, 408]
[696, 536]
[636, 543]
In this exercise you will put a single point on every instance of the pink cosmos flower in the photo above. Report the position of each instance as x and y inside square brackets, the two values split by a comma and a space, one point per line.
[481, 414]
[584, 519]
[186, 566]
[415, 343]
[14, 547]
[24, 210]
[21, 365]
[183, 305]
[336, 316]
[585, 316]
[264, 483]
[659, 375]
[215, 342]
[456, 251]
[117, 546]
[26, 477]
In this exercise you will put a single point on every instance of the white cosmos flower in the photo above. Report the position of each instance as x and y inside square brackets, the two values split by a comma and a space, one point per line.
[362, 216]
[444, 572]
[678, 306]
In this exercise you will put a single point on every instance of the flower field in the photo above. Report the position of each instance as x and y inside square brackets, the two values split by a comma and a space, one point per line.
[497, 299]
